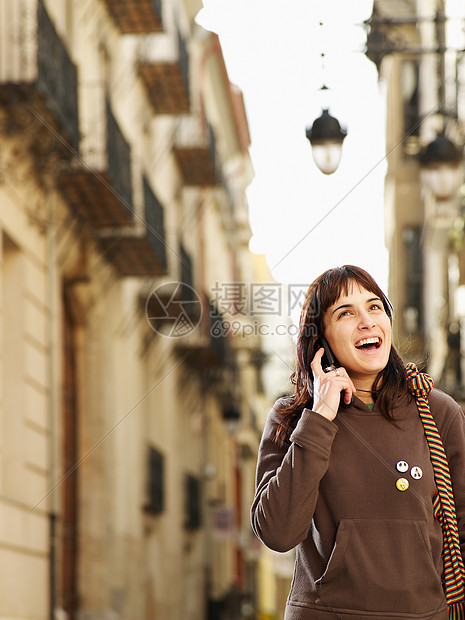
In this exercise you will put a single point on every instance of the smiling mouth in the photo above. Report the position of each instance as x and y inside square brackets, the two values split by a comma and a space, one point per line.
[368, 344]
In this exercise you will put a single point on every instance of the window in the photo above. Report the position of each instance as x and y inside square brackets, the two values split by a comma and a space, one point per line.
[192, 503]
[413, 307]
[155, 487]
[155, 220]
[410, 103]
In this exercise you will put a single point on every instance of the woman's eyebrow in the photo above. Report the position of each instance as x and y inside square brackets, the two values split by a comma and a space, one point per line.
[342, 306]
[368, 301]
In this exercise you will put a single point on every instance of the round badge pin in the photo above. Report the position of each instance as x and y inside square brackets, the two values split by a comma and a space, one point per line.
[416, 472]
[402, 466]
[402, 484]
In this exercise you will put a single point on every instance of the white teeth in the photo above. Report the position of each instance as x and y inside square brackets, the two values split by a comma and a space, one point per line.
[360, 343]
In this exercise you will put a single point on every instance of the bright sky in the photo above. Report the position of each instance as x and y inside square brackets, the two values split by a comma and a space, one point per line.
[304, 221]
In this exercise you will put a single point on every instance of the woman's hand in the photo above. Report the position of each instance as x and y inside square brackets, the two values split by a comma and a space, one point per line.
[327, 387]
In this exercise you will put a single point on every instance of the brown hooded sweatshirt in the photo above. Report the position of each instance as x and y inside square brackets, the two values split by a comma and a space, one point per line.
[364, 547]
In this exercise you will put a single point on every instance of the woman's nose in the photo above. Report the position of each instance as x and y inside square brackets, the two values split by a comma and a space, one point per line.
[366, 321]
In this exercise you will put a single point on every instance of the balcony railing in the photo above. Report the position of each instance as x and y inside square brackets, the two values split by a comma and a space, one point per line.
[216, 333]
[207, 345]
[174, 307]
[38, 81]
[98, 186]
[164, 71]
[195, 152]
[187, 273]
[136, 16]
[141, 250]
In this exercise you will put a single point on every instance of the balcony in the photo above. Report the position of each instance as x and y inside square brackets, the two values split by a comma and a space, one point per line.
[136, 16]
[98, 184]
[174, 308]
[141, 250]
[207, 345]
[38, 82]
[195, 152]
[165, 74]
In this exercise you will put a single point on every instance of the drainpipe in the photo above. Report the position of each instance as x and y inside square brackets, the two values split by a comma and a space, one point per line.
[53, 391]
[52, 589]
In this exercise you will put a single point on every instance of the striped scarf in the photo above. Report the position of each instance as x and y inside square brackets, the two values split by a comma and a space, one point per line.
[420, 385]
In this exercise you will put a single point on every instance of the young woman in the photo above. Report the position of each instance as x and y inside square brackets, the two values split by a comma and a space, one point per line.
[352, 472]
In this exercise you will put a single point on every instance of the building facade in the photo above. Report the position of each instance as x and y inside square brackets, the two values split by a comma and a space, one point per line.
[128, 405]
[416, 47]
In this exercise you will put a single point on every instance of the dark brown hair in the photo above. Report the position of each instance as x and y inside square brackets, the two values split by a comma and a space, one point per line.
[323, 293]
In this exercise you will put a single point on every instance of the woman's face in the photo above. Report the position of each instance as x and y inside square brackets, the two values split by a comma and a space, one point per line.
[358, 331]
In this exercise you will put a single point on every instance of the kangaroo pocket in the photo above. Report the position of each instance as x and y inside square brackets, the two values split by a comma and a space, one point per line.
[380, 566]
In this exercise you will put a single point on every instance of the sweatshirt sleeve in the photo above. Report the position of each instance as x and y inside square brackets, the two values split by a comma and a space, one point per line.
[454, 444]
[288, 479]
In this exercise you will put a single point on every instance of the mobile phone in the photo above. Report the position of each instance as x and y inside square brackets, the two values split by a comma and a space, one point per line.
[328, 361]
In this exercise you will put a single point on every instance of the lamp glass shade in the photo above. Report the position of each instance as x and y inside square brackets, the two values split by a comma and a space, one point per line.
[327, 156]
[326, 137]
[443, 180]
[441, 162]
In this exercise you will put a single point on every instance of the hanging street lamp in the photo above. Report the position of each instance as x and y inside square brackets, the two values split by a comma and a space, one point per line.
[441, 167]
[326, 137]
[441, 160]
